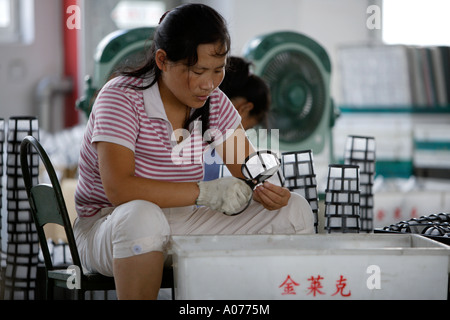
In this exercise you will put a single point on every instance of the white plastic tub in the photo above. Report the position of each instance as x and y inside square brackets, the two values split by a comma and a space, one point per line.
[322, 266]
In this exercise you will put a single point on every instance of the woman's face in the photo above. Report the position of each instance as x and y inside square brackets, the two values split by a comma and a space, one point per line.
[191, 86]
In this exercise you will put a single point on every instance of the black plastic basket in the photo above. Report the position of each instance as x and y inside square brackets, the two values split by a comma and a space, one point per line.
[434, 226]
[2, 143]
[300, 177]
[342, 199]
[361, 151]
[23, 244]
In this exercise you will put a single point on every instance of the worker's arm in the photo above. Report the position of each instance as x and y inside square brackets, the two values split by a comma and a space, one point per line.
[234, 151]
[121, 185]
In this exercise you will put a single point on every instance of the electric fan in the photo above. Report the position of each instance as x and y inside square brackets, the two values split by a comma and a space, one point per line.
[297, 70]
[121, 47]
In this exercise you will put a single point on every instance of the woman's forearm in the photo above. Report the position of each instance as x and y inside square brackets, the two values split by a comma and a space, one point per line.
[162, 193]
[121, 185]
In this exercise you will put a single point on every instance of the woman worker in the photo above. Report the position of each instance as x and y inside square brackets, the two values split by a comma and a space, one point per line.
[134, 191]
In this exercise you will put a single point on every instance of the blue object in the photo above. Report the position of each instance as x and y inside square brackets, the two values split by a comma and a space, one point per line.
[212, 166]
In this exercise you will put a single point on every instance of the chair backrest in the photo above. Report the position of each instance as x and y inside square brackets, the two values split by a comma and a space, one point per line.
[46, 201]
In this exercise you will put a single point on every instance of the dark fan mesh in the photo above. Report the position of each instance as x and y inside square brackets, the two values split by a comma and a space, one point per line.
[298, 95]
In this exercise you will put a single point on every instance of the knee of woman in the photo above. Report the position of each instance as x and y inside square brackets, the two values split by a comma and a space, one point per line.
[141, 216]
[138, 227]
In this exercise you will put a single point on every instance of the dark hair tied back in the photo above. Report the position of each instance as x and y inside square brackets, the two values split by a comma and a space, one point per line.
[180, 32]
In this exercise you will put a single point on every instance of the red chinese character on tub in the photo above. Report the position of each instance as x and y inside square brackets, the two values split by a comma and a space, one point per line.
[380, 215]
[340, 287]
[315, 285]
[289, 286]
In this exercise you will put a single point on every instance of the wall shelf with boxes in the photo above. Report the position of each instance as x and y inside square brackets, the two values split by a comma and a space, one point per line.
[400, 95]
[410, 141]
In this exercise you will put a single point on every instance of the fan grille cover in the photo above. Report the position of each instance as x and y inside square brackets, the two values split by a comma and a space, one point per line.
[298, 94]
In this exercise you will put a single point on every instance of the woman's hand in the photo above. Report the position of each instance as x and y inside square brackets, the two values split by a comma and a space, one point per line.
[226, 195]
[271, 196]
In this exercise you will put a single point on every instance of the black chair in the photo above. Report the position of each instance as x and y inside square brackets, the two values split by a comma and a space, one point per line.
[48, 206]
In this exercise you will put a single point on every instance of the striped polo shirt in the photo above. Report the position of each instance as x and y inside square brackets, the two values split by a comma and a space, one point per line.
[137, 120]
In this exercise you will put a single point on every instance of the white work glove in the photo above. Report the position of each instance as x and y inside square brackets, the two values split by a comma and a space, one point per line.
[228, 195]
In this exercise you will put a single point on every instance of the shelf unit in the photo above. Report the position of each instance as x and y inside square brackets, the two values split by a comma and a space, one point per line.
[428, 128]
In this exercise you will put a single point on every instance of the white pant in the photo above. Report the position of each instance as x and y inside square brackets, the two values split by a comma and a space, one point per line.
[139, 227]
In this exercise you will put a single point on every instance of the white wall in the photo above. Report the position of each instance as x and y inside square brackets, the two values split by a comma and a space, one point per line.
[331, 23]
[22, 66]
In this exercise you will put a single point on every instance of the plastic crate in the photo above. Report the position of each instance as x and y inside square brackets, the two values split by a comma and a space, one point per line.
[321, 266]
